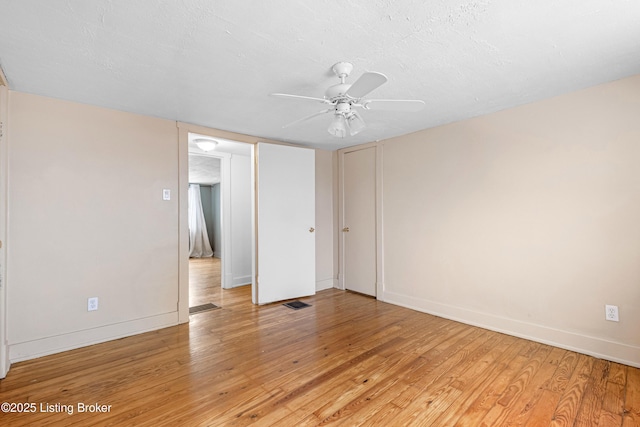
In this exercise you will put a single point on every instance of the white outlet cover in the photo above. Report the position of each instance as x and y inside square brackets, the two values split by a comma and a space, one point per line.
[611, 313]
[92, 304]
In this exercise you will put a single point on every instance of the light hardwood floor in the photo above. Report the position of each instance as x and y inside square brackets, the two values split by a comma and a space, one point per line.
[346, 360]
[204, 281]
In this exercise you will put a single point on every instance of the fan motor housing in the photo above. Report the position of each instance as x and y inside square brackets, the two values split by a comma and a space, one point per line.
[342, 108]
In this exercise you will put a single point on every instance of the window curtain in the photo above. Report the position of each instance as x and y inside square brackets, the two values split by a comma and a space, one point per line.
[199, 246]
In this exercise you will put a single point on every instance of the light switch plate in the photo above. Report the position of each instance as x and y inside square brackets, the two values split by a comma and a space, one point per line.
[166, 194]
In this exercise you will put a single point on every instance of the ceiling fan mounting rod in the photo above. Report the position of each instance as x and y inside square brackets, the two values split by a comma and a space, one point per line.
[342, 70]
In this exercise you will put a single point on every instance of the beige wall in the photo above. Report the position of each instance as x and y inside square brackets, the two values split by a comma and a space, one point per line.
[240, 188]
[525, 221]
[87, 219]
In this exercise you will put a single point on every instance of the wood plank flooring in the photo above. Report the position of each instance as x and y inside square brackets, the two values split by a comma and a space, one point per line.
[204, 281]
[347, 360]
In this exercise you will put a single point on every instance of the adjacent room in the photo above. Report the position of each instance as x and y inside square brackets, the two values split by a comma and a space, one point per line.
[219, 215]
[320, 213]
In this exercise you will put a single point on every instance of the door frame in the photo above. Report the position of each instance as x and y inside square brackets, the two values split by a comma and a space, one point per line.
[183, 223]
[378, 147]
[183, 220]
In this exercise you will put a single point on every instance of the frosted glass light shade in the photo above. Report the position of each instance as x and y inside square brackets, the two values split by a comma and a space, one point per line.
[206, 144]
[355, 122]
[338, 127]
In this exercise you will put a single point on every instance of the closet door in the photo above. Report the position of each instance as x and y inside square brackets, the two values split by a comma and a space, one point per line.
[359, 232]
[4, 113]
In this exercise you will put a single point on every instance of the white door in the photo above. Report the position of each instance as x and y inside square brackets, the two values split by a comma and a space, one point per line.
[285, 186]
[4, 361]
[359, 232]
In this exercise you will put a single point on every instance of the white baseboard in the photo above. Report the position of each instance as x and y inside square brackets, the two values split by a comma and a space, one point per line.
[228, 281]
[321, 285]
[50, 345]
[6, 362]
[592, 346]
[241, 281]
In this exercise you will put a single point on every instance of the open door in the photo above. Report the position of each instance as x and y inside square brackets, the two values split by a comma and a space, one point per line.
[285, 221]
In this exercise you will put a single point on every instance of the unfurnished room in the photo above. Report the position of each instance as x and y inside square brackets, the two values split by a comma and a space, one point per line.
[355, 213]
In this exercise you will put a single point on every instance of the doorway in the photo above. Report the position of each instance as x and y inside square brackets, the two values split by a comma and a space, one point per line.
[221, 178]
[238, 270]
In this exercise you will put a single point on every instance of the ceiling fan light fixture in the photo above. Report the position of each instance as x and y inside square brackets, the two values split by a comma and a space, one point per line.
[206, 144]
[338, 127]
[355, 123]
[344, 98]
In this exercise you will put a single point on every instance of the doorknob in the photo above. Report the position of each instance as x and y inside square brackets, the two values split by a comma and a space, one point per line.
[311, 230]
[345, 230]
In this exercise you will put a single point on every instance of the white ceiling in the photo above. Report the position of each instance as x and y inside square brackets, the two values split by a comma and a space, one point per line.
[213, 63]
[203, 169]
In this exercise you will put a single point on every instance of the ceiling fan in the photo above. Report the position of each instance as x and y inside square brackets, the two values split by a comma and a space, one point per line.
[344, 98]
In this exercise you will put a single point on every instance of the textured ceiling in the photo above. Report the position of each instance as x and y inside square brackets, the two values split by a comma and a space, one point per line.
[203, 169]
[213, 63]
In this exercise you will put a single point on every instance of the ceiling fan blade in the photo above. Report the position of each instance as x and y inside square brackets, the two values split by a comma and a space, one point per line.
[308, 117]
[286, 95]
[365, 84]
[407, 105]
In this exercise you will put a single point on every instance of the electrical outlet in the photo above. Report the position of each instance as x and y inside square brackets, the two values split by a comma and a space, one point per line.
[611, 313]
[92, 304]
